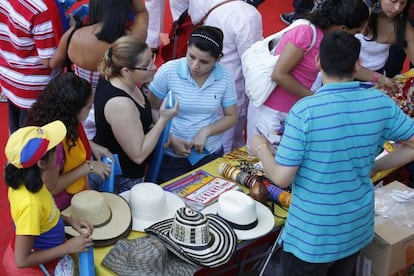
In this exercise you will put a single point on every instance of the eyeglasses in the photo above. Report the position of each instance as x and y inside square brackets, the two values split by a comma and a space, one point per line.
[150, 67]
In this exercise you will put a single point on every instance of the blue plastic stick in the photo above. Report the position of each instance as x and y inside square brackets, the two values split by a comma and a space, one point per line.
[158, 154]
[108, 184]
[86, 263]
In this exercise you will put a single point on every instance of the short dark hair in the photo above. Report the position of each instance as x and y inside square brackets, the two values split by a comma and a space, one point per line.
[339, 51]
[207, 39]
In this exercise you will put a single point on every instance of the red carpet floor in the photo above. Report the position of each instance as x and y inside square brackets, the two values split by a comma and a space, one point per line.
[270, 11]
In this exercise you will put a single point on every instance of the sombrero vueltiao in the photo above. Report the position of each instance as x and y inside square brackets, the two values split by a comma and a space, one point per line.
[109, 214]
[205, 240]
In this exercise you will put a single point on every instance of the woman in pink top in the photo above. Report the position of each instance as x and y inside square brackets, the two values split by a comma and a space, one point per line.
[296, 69]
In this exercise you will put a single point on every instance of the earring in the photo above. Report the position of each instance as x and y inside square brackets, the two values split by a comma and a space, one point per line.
[376, 8]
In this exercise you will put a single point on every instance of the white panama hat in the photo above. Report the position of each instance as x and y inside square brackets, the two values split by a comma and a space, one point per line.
[150, 204]
[249, 218]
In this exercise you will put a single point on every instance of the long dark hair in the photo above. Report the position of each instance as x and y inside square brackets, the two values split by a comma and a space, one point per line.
[114, 16]
[64, 97]
[400, 23]
[351, 13]
[29, 177]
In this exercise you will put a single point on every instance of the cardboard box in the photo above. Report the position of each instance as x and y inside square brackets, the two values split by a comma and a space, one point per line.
[392, 250]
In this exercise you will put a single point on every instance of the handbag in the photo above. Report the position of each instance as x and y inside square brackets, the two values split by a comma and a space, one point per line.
[259, 60]
[180, 33]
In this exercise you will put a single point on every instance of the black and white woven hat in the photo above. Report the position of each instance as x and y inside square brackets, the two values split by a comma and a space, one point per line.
[205, 240]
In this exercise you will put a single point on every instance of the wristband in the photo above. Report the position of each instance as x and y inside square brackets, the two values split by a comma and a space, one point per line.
[88, 162]
[375, 78]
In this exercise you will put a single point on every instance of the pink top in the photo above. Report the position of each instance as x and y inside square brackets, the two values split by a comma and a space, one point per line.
[304, 72]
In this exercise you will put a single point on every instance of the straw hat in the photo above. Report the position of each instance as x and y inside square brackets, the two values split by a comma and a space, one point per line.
[205, 240]
[145, 256]
[249, 218]
[150, 204]
[107, 212]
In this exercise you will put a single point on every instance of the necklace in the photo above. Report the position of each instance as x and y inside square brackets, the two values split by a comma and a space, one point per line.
[132, 90]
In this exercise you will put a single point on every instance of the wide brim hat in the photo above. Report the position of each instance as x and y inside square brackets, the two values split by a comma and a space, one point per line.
[109, 214]
[146, 256]
[233, 207]
[205, 240]
[149, 204]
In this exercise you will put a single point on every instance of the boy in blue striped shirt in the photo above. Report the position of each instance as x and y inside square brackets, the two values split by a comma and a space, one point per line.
[328, 153]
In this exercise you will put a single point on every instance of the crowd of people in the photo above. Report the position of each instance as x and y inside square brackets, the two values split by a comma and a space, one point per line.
[93, 90]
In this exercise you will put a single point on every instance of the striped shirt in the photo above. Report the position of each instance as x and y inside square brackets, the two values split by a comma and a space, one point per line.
[333, 137]
[26, 37]
[91, 76]
[198, 106]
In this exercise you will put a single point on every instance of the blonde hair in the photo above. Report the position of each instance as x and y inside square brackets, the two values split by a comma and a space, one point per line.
[124, 52]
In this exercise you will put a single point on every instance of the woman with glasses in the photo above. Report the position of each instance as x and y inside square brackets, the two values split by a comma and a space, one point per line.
[124, 122]
[204, 88]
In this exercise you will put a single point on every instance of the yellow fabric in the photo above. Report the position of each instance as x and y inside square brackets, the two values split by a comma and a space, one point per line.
[73, 159]
[211, 167]
[32, 213]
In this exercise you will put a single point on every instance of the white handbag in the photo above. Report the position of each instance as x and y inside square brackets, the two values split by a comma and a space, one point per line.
[259, 60]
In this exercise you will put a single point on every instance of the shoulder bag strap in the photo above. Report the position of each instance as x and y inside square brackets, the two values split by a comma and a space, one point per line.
[78, 25]
[273, 40]
[212, 9]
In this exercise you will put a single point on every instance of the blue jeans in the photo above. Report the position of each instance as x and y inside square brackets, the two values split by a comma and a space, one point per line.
[293, 266]
[17, 117]
[122, 183]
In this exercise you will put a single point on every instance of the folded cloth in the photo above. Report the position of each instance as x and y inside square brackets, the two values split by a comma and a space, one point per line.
[196, 156]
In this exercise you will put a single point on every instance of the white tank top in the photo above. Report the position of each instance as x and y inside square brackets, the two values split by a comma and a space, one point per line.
[373, 55]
